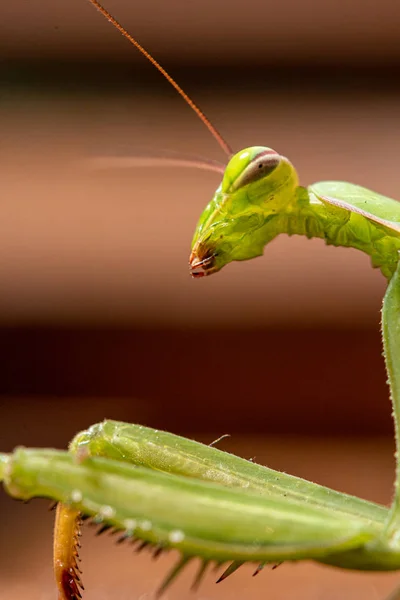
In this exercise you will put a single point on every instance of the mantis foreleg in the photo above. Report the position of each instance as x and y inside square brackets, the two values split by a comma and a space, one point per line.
[174, 454]
[218, 517]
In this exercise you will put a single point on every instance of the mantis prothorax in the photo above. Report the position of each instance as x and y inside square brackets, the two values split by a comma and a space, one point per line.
[169, 492]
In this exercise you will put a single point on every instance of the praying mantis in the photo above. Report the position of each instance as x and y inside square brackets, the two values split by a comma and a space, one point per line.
[163, 491]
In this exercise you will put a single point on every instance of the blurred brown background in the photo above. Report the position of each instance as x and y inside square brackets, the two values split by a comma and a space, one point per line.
[98, 315]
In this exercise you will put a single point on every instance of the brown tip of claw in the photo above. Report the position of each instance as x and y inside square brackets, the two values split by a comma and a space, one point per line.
[66, 548]
[71, 587]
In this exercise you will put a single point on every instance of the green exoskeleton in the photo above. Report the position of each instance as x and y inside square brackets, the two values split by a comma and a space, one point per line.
[159, 490]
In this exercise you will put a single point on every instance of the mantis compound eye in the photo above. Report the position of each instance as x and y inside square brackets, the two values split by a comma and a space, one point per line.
[249, 166]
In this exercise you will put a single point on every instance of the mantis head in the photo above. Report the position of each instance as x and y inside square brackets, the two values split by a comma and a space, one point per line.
[258, 184]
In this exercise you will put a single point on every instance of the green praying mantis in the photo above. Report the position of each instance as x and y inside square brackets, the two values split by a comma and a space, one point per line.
[163, 491]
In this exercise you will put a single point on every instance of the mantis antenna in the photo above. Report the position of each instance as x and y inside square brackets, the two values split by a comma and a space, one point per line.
[223, 144]
[170, 159]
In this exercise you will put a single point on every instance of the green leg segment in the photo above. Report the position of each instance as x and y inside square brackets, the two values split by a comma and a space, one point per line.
[199, 518]
[173, 454]
[391, 344]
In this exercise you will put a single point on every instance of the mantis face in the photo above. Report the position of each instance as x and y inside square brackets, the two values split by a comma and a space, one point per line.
[258, 185]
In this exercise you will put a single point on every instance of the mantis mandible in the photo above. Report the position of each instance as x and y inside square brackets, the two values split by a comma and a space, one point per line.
[163, 491]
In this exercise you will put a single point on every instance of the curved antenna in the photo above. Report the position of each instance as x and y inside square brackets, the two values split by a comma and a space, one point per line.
[140, 161]
[224, 145]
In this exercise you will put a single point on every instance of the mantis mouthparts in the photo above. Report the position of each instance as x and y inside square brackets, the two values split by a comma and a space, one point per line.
[200, 267]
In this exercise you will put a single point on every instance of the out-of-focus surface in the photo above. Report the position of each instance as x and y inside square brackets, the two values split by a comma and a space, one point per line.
[209, 32]
[96, 295]
[98, 315]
